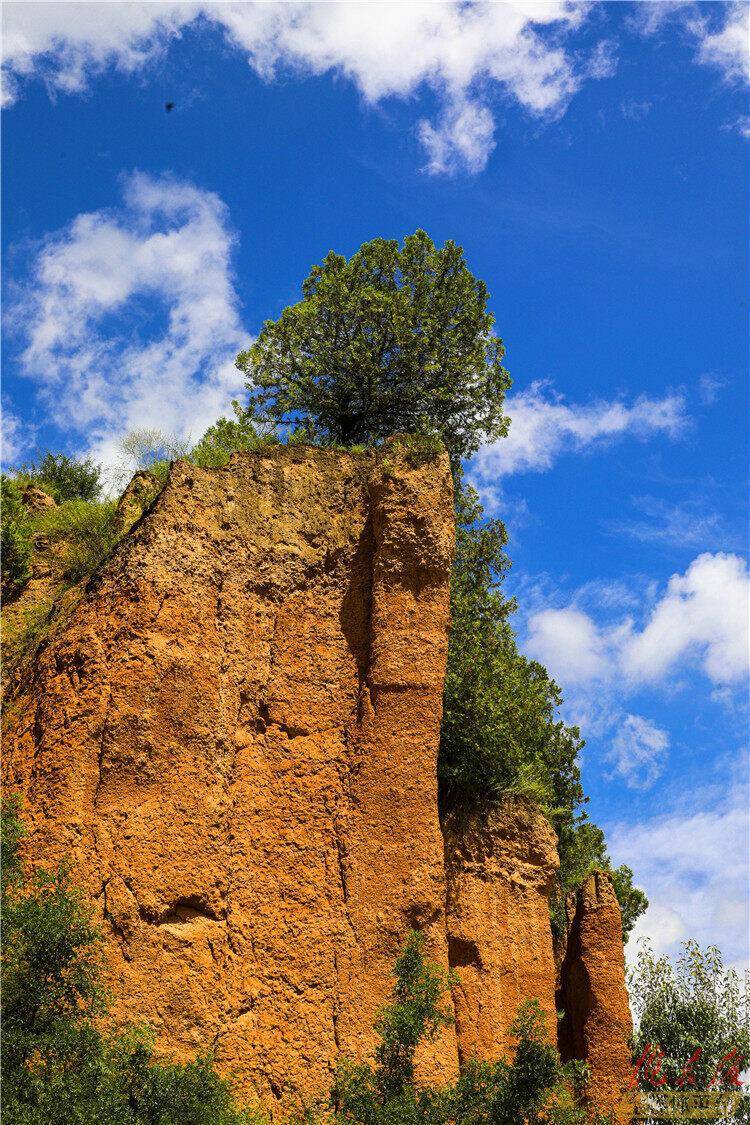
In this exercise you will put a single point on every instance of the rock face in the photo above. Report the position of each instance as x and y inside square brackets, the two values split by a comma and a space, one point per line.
[592, 994]
[232, 732]
[499, 868]
[234, 738]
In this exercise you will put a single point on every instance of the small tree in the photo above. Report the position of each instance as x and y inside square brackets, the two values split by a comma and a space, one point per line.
[63, 477]
[692, 1020]
[532, 1088]
[396, 339]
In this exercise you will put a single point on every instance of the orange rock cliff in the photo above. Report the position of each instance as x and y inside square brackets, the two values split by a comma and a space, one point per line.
[233, 733]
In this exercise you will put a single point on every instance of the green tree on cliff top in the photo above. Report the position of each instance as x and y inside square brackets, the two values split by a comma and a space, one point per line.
[396, 339]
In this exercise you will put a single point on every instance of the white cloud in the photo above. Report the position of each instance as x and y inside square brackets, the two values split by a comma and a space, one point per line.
[701, 619]
[543, 426]
[720, 32]
[570, 644]
[67, 43]
[638, 751]
[694, 867]
[727, 47]
[168, 250]
[16, 437]
[466, 53]
[464, 137]
[704, 616]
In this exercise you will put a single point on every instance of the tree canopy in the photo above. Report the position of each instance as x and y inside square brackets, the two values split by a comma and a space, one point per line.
[396, 339]
[692, 1021]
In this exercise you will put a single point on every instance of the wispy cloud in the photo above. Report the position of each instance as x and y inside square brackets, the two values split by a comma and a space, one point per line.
[638, 751]
[86, 316]
[719, 31]
[634, 110]
[544, 426]
[467, 54]
[16, 438]
[685, 524]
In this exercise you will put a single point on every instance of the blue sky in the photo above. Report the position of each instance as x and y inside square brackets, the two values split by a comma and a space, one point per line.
[591, 159]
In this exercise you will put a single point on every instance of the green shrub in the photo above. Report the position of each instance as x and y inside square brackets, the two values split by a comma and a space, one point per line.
[63, 1063]
[15, 535]
[87, 533]
[21, 638]
[532, 1088]
[64, 478]
[225, 437]
[583, 849]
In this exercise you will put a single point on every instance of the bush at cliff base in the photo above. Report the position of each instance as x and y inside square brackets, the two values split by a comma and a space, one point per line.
[531, 1089]
[62, 1061]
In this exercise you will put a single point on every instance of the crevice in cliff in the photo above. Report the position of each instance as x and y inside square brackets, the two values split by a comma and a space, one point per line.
[463, 954]
[356, 608]
[116, 928]
[192, 908]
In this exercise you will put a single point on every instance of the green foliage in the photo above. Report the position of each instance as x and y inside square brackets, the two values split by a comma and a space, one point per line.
[632, 900]
[15, 534]
[394, 340]
[225, 437]
[583, 849]
[531, 1089]
[64, 478]
[23, 634]
[501, 733]
[695, 1005]
[415, 1014]
[500, 730]
[61, 1063]
[86, 532]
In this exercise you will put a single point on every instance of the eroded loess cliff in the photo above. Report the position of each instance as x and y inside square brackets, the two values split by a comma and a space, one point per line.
[232, 732]
[234, 738]
[500, 867]
[597, 1024]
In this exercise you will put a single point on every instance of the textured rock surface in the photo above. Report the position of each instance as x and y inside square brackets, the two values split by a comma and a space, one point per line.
[234, 738]
[499, 871]
[140, 492]
[35, 499]
[592, 992]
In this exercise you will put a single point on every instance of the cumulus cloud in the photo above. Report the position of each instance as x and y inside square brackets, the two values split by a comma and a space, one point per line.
[466, 53]
[701, 619]
[86, 316]
[67, 44]
[702, 616]
[543, 427]
[694, 866]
